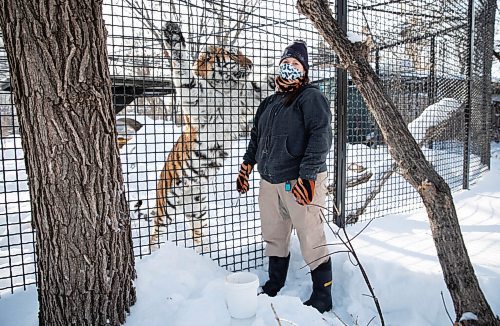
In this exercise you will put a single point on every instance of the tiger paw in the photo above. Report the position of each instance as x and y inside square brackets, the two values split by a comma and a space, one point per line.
[172, 34]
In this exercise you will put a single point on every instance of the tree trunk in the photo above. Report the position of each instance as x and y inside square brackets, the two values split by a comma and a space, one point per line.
[62, 90]
[435, 193]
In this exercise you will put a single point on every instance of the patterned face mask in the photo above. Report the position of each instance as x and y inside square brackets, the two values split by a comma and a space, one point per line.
[289, 72]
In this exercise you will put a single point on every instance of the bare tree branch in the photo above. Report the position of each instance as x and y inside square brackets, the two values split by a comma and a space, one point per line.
[243, 18]
[148, 21]
[346, 241]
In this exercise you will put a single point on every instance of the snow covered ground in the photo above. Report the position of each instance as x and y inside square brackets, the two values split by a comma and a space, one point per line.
[175, 286]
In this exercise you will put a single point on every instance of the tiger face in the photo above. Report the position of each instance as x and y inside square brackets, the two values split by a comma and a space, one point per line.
[220, 65]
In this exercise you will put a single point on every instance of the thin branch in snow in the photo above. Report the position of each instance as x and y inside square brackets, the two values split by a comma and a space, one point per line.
[329, 244]
[276, 315]
[446, 308]
[352, 262]
[370, 321]
[324, 256]
[279, 320]
[355, 320]
[343, 322]
[365, 276]
[366, 226]
[351, 253]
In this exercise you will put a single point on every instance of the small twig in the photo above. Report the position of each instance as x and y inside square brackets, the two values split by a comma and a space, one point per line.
[329, 254]
[356, 235]
[343, 323]
[146, 18]
[365, 276]
[350, 251]
[328, 245]
[242, 20]
[350, 259]
[371, 321]
[329, 211]
[445, 308]
[276, 315]
[355, 320]
[279, 320]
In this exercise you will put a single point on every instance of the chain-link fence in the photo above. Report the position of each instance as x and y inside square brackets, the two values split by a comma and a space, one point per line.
[187, 77]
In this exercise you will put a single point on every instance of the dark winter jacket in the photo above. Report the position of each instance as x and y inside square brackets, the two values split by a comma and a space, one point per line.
[291, 141]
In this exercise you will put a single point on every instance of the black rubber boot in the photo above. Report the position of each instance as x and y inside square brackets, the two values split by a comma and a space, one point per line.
[278, 268]
[321, 297]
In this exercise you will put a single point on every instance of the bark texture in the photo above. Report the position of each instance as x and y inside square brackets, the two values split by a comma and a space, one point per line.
[436, 195]
[62, 90]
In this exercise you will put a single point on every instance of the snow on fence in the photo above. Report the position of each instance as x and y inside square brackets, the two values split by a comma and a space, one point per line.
[418, 48]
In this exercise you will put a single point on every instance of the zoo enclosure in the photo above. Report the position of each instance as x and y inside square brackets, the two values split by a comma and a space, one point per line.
[433, 57]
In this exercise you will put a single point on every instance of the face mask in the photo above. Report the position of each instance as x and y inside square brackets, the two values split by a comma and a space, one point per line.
[288, 72]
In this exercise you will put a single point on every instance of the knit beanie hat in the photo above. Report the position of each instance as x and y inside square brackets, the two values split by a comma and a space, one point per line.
[297, 50]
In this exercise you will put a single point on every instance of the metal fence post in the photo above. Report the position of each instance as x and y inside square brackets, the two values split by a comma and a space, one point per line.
[431, 85]
[468, 107]
[341, 109]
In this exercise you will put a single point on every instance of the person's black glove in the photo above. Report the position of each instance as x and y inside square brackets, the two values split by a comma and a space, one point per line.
[242, 184]
[303, 191]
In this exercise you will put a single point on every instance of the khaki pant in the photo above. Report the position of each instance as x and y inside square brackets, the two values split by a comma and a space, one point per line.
[280, 212]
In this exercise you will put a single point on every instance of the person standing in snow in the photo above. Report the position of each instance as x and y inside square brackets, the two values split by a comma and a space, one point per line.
[290, 140]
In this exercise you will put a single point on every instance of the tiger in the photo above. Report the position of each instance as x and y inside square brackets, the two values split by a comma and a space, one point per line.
[217, 103]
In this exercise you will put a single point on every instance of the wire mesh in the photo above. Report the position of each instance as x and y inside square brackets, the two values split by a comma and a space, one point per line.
[181, 161]
[187, 77]
[419, 50]
[17, 247]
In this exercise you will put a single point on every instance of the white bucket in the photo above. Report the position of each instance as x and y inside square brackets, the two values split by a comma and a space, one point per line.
[241, 294]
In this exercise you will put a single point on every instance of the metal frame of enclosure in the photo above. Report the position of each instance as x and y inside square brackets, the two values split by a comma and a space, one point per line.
[434, 58]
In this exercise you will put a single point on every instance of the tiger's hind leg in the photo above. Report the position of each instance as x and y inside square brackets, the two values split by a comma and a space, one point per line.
[198, 228]
[196, 215]
[160, 220]
[189, 200]
[170, 186]
[160, 217]
[165, 208]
